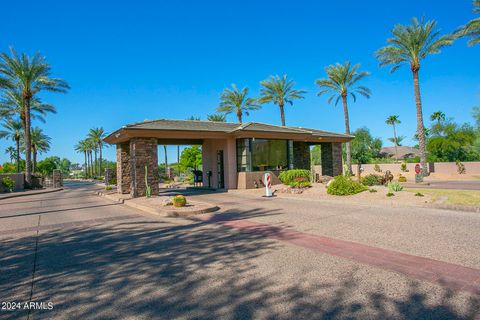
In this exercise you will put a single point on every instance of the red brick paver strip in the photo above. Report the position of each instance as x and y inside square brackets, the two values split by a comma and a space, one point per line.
[451, 275]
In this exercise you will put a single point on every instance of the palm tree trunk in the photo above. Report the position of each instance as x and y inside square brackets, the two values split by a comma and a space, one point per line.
[95, 166]
[239, 116]
[100, 164]
[420, 127]
[28, 150]
[178, 160]
[34, 151]
[86, 164]
[17, 154]
[347, 131]
[166, 159]
[282, 113]
[395, 141]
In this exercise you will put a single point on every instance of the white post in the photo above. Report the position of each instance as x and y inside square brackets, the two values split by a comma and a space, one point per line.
[268, 184]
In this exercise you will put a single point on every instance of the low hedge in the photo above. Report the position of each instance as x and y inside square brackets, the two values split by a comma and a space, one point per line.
[290, 175]
[343, 186]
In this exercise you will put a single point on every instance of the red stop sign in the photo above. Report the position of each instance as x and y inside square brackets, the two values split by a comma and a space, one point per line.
[417, 168]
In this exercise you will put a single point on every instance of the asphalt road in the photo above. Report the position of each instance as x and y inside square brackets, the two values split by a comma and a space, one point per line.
[94, 259]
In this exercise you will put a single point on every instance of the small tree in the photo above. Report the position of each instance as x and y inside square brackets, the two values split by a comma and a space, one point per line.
[191, 158]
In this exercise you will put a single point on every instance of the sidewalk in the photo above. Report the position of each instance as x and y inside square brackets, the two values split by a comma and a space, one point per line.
[27, 193]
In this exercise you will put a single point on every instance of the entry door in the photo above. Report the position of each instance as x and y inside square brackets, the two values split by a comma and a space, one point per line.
[220, 170]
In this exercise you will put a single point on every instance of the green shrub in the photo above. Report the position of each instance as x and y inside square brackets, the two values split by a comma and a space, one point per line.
[343, 186]
[394, 186]
[300, 182]
[372, 190]
[109, 187]
[390, 194]
[372, 180]
[289, 176]
[403, 167]
[377, 168]
[179, 201]
[402, 179]
[8, 183]
[418, 194]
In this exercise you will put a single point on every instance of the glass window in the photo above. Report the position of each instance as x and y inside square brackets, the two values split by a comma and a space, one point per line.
[269, 154]
[243, 155]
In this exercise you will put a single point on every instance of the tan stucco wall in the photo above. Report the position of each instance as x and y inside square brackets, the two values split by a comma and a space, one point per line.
[18, 179]
[472, 168]
[246, 180]
[209, 161]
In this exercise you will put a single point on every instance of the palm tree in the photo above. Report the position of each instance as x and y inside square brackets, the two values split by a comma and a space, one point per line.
[236, 101]
[279, 91]
[97, 135]
[166, 159]
[28, 75]
[14, 131]
[12, 153]
[341, 82]
[217, 117]
[82, 147]
[438, 116]
[399, 140]
[393, 120]
[40, 143]
[472, 28]
[12, 102]
[410, 45]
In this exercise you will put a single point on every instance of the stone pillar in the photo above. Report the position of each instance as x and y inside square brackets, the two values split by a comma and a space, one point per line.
[57, 179]
[143, 152]
[301, 155]
[123, 167]
[331, 159]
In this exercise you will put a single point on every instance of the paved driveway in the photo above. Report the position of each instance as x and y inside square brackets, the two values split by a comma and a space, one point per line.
[258, 258]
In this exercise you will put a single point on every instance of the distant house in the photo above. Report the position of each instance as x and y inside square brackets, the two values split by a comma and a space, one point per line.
[403, 152]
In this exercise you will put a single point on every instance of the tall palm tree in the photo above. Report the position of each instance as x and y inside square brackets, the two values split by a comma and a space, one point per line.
[40, 143]
[472, 28]
[28, 75]
[217, 117]
[236, 101]
[411, 44]
[12, 104]
[438, 116]
[340, 83]
[166, 159]
[14, 131]
[82, 147]
[12, 153]
[97, 135]
[279, 91]
[393, 120]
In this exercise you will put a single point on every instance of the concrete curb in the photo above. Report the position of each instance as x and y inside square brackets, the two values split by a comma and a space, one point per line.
[30, 194]
[455, 207]
[163, 212]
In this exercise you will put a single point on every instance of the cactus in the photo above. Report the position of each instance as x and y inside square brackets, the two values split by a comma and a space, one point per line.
[179, 201]
[148, 189]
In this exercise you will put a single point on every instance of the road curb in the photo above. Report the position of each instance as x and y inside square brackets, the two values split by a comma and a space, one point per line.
[30, 194]
[158, 211]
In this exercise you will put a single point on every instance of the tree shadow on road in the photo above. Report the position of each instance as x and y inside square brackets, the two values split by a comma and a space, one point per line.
[197, 270]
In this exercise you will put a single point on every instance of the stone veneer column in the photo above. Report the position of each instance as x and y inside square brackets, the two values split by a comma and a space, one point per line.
[331, 159]
[123, 167]
[143, 152]
[301, 155]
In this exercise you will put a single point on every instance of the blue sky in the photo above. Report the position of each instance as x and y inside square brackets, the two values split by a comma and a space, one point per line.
[130, 61]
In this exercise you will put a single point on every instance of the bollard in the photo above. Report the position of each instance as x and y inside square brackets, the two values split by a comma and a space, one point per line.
[268, 184]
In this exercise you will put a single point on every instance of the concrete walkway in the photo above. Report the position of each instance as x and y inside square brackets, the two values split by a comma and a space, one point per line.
[256, 259]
